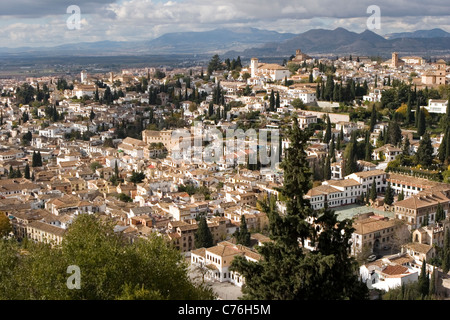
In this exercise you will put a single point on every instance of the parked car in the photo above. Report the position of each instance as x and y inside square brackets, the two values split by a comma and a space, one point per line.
[371, 258]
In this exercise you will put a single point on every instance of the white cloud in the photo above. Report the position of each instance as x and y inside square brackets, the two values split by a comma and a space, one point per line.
[147, 19]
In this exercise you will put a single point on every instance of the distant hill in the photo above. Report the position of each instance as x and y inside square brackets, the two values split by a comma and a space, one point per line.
[341, 41]
[206, 42]
[218, 40]
[249, 42]
[433, 33]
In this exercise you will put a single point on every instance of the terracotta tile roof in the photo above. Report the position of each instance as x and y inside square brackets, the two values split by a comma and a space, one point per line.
[393, 270]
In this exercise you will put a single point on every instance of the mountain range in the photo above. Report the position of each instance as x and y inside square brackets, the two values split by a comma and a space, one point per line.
[248, 42]
[341, 41]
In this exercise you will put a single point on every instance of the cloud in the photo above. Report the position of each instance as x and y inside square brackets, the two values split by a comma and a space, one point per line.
[147, 19]
[45, 8]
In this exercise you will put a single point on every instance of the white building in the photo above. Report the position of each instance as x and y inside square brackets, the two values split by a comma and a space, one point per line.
[216, 261]
[437, 106]
[374, 96]
[367, 178]
[269, 71]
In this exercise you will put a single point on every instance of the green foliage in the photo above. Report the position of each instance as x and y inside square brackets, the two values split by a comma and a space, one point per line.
[424, 280]
[111, 268]
[137, 177]
[286, 271]
[389, 195]
[243, 235]
[446, 252]
[373, 192]
[203, 236]
[215, 64]
[424, 154]
[95, 165]
[5, 225]
[124, 197]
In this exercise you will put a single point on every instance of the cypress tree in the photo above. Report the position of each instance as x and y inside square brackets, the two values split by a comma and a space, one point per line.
[350, 156]
[373, 118]
[332, 149]
[389, 195]
[440, 213]
[243, 235]
[424, 281]
[424, 154]
[406, 146]
[446, 252]
[443, 148]
[286, 271]
[277, 101]
[327, 136]
[11, 173]
[432, 290]
[408, 119]
[421, 125]
[401, 196]
[329, 89]
[394, 133]
[373, 192]
[203, 236]
[27, 172]
[416, 116]
[368, 147]
[272, 101]
[327, 169]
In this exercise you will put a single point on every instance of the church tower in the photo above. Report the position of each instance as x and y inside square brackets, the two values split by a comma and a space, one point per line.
[254, 66]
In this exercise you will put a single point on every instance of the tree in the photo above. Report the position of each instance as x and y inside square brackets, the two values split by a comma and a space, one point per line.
[286, 271]
[203, 236]
[406, 147]
[277, 101]
[243, 235]
[37, 159]
[446, 252]
[27, 172]
[327, 169]
[92, 115]
[5, 225]
[373, 192]
[272, 101]
[111, 267]
[350, 156]
[432, 289]
[331, 151]
[389, 195]
[401, 196]
[95, 165]
[444, 148]
[214, 64]
[421, 124]
[394, 133]
[424, 281]
[408, 119]
[440, 213]
[424, 154]
[329, 88]
[327, 136]
[373, 118]
[137, 177]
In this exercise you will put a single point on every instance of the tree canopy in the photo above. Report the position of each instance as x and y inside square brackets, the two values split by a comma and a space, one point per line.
[110, 267]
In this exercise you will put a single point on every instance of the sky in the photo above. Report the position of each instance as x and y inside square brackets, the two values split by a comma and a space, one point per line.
[47, 22]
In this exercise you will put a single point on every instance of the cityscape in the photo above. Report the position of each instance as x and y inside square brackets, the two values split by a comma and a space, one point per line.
[247, 155]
